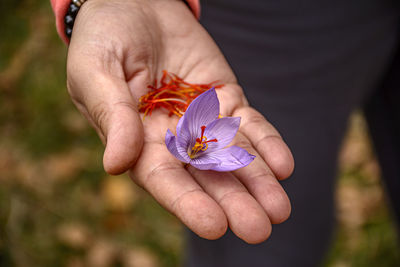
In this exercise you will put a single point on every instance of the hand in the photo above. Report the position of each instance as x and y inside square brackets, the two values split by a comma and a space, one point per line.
[118, 48]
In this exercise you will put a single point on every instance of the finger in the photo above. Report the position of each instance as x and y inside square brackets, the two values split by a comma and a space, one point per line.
[262, 184]
[246, 218]
[107, 103]
[173, 187]
[267, 141]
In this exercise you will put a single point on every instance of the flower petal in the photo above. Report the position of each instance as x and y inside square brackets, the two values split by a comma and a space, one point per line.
[175, 149]
[227, 159]
[203, 110]
[224, 130]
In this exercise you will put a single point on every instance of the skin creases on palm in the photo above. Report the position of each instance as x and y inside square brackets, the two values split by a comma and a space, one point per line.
[109, 67]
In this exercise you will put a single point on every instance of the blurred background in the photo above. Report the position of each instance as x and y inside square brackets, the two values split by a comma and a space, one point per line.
[59, 208]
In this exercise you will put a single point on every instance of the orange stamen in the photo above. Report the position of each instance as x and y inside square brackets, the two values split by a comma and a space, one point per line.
[174, 95]
[201, 144]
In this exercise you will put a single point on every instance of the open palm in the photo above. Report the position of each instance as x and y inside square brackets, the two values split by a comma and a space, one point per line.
[117, 49]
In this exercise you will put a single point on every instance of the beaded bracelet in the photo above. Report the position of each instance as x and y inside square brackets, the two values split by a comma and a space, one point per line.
[69, 18]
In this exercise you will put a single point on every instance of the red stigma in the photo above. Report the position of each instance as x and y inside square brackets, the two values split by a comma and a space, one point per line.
[201, 143]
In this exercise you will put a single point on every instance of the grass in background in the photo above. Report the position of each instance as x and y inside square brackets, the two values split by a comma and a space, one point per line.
[366, 234]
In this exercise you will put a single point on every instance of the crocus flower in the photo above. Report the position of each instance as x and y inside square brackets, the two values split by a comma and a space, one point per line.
[202, 137]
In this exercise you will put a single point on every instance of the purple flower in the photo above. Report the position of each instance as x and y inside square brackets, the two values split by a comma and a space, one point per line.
[202, 137]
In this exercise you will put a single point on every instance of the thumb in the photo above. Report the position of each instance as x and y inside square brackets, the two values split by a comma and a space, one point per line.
[107, 103]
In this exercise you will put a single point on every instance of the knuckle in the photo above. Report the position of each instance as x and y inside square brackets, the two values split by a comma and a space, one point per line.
[176, 203]
[244, 144]
[231, 195]
[254, 119]
[162, 168]
[261, 174]
[99, 114]
[264, 140]
[126, 104]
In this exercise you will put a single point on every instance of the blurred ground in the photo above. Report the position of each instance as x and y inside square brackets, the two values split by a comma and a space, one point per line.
[366, 234]
[59, 208]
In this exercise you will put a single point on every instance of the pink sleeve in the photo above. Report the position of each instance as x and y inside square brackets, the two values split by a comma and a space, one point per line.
[195, 6]
[60, 8]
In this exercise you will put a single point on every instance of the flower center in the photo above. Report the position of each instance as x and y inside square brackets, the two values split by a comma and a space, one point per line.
[201, 144]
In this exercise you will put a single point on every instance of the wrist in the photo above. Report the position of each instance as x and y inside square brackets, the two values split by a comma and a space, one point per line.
[70, 16]
[60, 8]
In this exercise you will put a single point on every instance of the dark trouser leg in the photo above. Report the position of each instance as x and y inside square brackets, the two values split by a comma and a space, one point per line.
[305, 65]
[382, 111]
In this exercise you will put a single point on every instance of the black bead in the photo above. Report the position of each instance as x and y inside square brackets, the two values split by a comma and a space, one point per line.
[68, 31]
[69, 20]
[73, 10]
